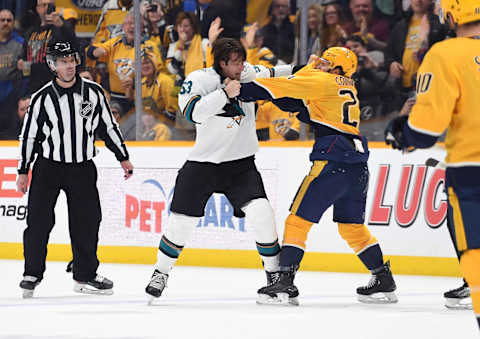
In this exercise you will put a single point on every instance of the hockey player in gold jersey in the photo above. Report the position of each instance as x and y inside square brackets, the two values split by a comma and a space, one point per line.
[324, 94]
[448, 84]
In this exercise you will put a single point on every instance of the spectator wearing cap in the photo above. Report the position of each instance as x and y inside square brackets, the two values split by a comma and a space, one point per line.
[119, 55]
[11, 49]
[280, 32]
[371, 28]
[189, 53]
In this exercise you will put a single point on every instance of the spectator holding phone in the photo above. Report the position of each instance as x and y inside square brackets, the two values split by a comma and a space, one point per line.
[51, 26]
[155, 23]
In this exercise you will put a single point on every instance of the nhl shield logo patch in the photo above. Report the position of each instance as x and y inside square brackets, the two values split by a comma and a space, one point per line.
[86, 109]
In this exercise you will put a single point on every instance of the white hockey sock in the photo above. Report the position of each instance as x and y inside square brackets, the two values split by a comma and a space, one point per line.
[259, 213]
[177, 232]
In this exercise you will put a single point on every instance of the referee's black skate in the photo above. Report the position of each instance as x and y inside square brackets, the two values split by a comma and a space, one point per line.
[98, 285]
[157, 284]
[280, 290]
[28, 285]
[380, 289]
[458, 298]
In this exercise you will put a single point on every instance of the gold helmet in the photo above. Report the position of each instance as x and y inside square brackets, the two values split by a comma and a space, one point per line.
[341, 57]
[461, 11]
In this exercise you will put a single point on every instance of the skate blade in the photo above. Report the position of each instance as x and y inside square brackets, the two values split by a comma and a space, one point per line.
[27, 294]
[458, 303]
[282, 299]
[378, 298]
[85, 289]
[151, 299]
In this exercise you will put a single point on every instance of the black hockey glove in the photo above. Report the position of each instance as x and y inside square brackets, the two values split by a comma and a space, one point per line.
[394, 133]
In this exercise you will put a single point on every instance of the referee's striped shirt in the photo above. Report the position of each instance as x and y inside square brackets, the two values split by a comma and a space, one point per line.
[61, 123]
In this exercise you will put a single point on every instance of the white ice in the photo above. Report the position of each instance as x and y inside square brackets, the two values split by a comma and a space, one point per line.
[220, 303]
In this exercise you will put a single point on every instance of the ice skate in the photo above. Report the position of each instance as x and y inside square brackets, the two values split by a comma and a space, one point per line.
[458, 298]
[157, 284]
[99, 285]
[28, 285]
[380, 289]
[272, 277]
[280, 290]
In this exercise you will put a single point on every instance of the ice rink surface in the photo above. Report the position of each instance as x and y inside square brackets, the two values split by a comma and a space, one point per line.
[220, 303]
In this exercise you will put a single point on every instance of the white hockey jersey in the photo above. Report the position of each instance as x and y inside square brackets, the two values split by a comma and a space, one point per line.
[221, 138]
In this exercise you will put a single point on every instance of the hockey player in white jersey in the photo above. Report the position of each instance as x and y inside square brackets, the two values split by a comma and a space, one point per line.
[221, 161]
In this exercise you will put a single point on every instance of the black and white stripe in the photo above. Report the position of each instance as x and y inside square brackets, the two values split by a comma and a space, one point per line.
[54, 128]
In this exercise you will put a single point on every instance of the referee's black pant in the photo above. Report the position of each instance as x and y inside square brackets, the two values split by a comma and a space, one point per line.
[78, 181]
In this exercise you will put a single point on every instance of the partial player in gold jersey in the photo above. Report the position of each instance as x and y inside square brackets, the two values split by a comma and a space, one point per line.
[324, 94]
[448, 84]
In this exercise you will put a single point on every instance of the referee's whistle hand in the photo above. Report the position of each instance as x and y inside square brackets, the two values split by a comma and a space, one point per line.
[22, 183]
[127, 168]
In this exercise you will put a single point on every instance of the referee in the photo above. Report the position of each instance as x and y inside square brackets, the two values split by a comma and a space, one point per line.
[60, 127]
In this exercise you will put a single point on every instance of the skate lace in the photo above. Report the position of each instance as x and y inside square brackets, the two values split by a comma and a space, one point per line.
[99, 278]
[158, 280]
[274, 276]
[372, 282]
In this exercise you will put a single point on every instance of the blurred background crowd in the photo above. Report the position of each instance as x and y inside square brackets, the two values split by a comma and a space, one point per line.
[390, 37]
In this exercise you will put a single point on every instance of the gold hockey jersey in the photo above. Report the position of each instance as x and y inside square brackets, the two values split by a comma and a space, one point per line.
[448, 97]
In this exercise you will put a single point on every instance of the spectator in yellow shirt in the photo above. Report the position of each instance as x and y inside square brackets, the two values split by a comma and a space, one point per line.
[119, 55]
[158, 93]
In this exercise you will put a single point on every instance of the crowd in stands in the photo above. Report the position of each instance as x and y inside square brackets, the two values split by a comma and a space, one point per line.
[390, 38]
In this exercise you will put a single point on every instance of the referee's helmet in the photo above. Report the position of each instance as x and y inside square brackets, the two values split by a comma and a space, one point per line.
[60, 49]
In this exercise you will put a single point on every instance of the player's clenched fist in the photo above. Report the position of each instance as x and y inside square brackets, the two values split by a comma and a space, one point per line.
[232, 87]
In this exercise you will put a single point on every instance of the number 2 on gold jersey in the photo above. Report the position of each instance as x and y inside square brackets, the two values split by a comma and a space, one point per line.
[346, 106]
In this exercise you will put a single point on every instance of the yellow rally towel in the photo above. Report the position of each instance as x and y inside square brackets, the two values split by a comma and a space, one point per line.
[195, 57]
